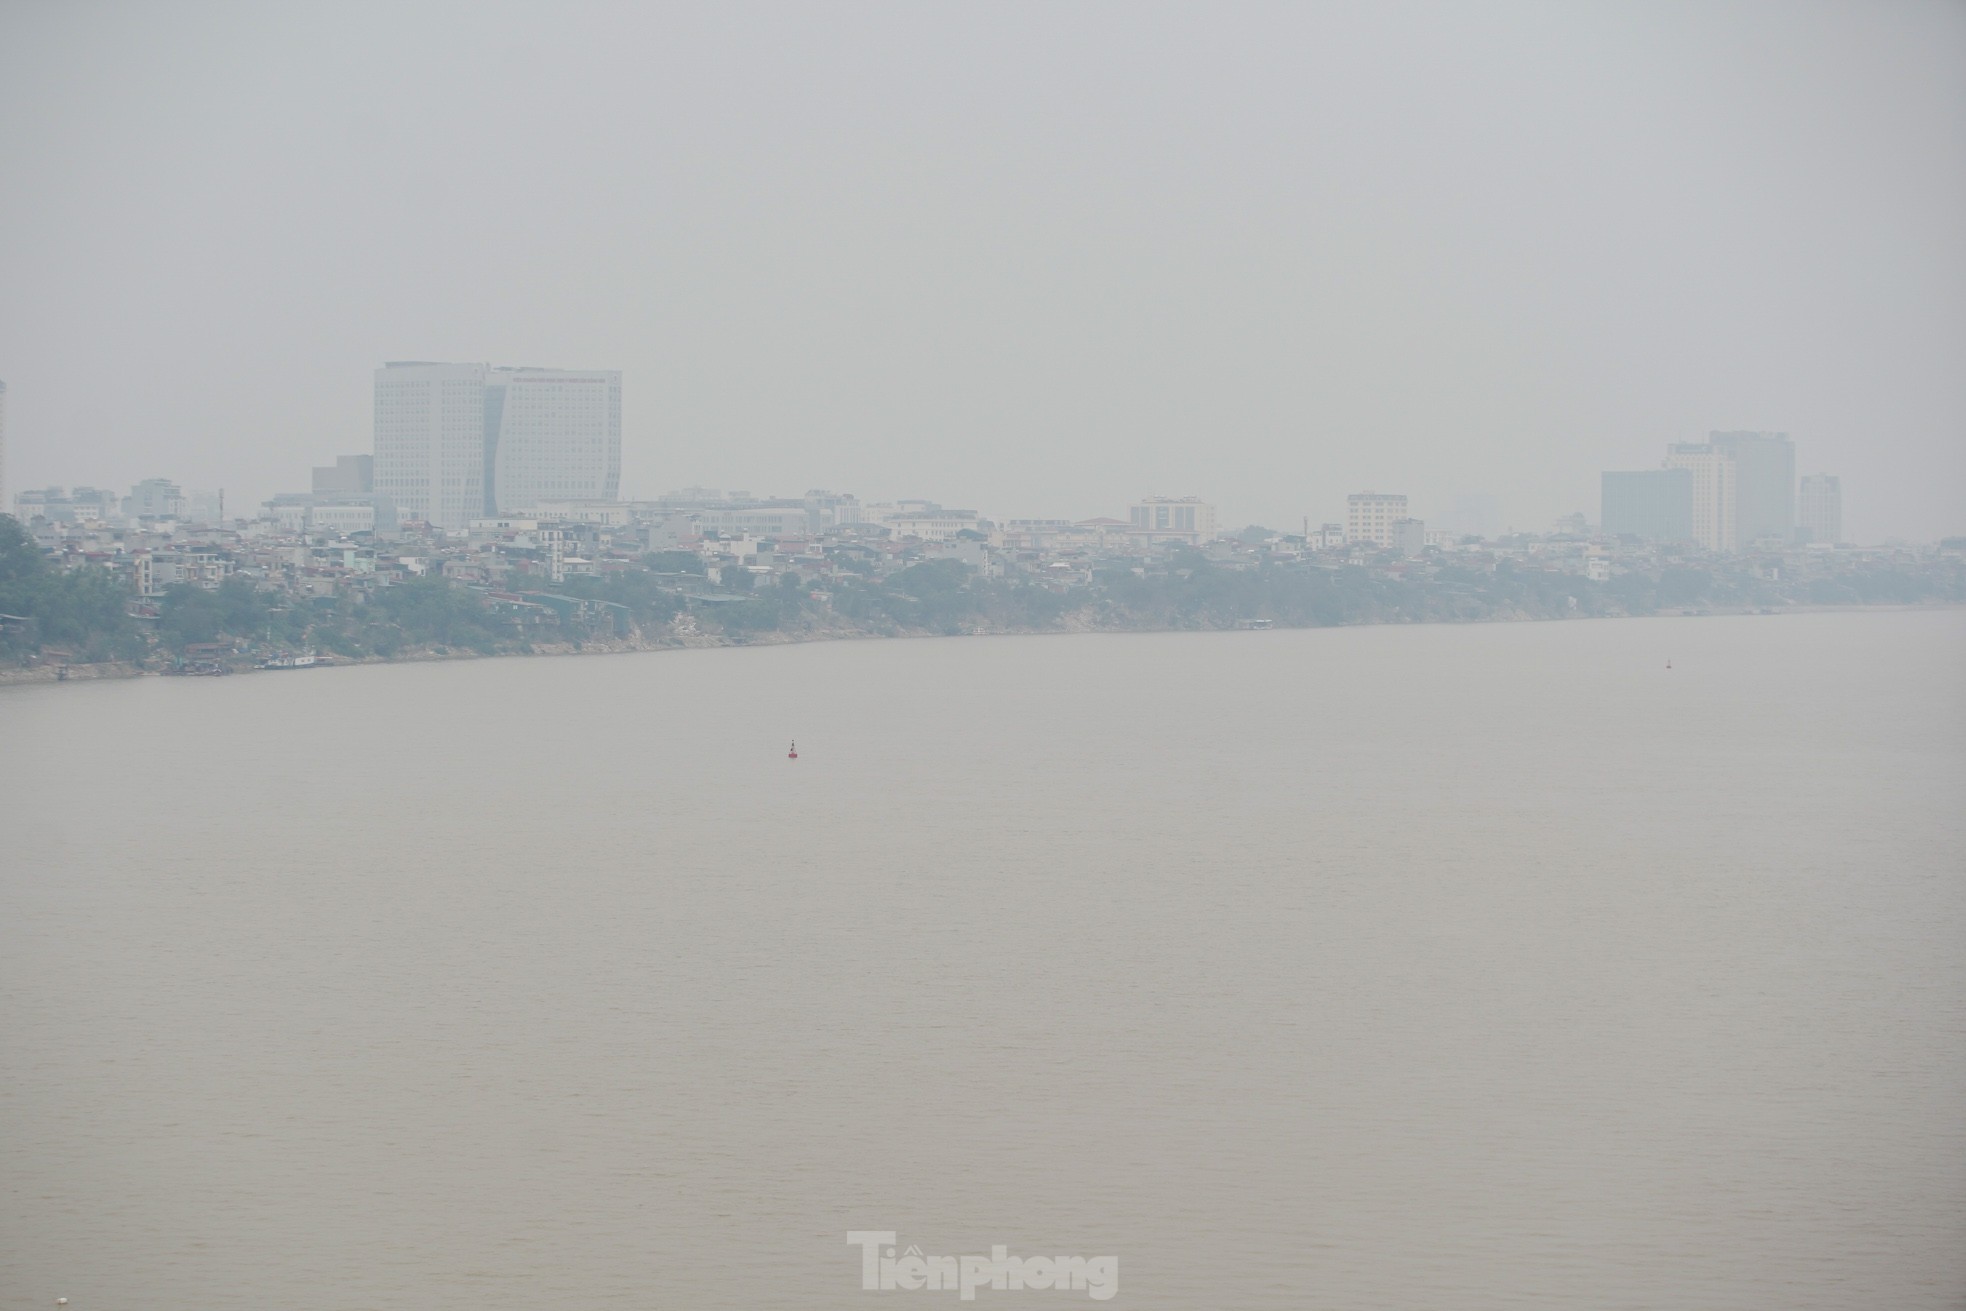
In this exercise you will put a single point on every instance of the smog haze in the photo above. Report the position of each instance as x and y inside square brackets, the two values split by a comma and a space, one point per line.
[1035, 259]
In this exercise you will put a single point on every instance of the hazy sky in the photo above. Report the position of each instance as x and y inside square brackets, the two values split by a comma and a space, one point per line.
[1035, 259]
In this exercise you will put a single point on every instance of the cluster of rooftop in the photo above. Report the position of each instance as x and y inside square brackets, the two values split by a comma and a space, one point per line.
[504, 484]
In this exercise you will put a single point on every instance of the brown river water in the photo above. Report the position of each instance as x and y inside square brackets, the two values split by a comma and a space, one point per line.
[1408, 967]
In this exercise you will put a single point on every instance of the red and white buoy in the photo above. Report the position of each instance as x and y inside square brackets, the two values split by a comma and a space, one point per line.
[793, 754]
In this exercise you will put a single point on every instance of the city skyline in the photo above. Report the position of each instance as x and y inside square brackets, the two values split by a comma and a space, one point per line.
[1673, 506]
[599, 473]
[1316, 645]
[494, 440]
[1003, 258]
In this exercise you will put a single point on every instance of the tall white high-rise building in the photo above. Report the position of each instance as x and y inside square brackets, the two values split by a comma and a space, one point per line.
[4, 502]
[431, 433]
[558, 436]
[457, 442]
[1714, 524]
[1821, 508]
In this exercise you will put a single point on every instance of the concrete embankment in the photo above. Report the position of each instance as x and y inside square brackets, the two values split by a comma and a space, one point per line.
[55, 673]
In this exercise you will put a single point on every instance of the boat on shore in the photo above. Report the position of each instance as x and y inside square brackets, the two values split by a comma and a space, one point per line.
[292, 660]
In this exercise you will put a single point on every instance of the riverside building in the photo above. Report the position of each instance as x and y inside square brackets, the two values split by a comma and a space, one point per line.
[1185, 519]
[457, 442]
[1374, 518]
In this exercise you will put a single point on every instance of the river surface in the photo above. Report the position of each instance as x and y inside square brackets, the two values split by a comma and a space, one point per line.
[1409, 967]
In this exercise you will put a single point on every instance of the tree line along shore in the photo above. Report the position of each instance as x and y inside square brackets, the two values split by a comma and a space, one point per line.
[86, 620]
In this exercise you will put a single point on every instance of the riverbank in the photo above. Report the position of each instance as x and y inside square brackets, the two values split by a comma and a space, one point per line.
[47, 672]
[51, 672]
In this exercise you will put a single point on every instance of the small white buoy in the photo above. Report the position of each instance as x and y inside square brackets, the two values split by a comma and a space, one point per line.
[61, 1301]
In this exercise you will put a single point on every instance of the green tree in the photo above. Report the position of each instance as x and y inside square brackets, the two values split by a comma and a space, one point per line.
[236, 609]
[673, 562]
[20, 559]
[86, 607]
[434, 611]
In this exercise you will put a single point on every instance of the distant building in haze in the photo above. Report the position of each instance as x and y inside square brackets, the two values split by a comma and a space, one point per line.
[431, 438]
[1655, 504]
[1714, 524]
[778, 518]
[1471, 514]
[1372, 517]
[3, 447]
[60, 505]
[557, 435]
[348, 475]
[1764, 484]
[154, 498]
[457, 442]
[1743, 490]
[1820, 509]
[1186, 519]
[341, 500]
[204, 507]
